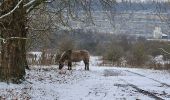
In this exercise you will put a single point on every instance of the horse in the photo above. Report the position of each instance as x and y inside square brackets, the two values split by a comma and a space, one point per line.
[74, 56]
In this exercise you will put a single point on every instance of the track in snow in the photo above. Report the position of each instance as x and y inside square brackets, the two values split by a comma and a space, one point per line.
[162, 83]
[145, 92]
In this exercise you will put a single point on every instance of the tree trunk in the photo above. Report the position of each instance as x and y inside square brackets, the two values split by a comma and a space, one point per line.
[13, 53]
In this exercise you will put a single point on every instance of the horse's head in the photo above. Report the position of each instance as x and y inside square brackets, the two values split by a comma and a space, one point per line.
[65, 56]
[61, 64]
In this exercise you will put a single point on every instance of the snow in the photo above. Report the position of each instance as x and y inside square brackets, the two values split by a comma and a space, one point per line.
[100, 83]
[38, 54]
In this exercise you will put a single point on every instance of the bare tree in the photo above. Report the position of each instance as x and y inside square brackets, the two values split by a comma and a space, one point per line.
[13, 33]
[14, 30]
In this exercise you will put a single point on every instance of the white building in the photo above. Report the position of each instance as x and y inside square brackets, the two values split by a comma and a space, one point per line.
[157, 33]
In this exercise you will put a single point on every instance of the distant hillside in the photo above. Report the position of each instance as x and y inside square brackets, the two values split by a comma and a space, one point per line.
[134, 6]
[96, 5]
[131, 18]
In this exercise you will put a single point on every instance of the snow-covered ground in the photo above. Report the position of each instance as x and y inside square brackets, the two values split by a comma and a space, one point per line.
[100, 83]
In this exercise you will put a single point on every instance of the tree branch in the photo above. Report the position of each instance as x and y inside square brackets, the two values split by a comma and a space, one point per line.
[7, 14]
[165, 51]
[34, 3]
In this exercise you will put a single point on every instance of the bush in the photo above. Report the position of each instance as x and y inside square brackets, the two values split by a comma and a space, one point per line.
[138, 55]
[114, 53]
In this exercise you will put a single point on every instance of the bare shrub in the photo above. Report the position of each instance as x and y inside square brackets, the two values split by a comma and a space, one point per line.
[66, 44]
[113, 54]
[167, 66]
[138, 55]
[47, 57]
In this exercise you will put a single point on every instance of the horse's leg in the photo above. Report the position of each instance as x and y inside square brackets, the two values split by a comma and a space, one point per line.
[87, 65]
[69, 65]
[84, 64]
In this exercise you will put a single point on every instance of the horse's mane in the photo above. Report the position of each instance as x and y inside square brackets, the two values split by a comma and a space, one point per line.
[65, 55]
[62, 56]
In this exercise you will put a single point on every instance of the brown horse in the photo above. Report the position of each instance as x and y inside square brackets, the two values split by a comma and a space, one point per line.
[74, 56]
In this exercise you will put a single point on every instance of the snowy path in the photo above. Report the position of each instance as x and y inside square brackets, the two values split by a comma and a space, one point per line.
[100, 83]
[109, 83]
[101, 86]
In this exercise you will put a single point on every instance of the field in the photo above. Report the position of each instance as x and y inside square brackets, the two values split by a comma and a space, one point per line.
[100, 83]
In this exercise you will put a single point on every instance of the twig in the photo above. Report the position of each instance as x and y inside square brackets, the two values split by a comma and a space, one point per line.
[12, 10]
[165, 51]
